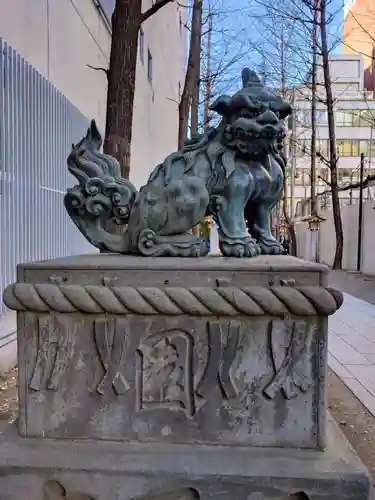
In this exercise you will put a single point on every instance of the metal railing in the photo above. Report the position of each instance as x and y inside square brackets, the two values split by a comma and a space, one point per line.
[37, 127]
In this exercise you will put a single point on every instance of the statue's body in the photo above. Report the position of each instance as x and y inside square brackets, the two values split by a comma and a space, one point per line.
[234, 172]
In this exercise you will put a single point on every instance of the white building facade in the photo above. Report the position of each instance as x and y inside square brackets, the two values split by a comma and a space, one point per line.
[60, 39]
[48, 94]
[354, 123]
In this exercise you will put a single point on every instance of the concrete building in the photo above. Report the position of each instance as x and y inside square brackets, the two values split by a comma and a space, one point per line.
[358, 34]
[355, 122]
[60, 39]
[46, 49]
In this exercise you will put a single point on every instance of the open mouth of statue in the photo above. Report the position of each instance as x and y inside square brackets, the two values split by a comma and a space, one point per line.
[269, 133]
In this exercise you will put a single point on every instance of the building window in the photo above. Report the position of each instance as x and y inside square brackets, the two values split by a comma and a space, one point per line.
[179, 92]
[321, 116]
[142, 46]
[302, 177]
[298, 178]
[345, 117]
[365, 118]
[324, 173]
[322, 147]
[344, 175]
[347, 147]
[149, 66]
[303, 148]
[367, 148]
[355, 117]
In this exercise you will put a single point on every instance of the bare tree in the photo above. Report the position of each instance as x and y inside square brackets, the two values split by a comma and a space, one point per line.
[337, 261]
[223, 49]
[216, 48]
[126, 23]
[310, 18]
[284, 61]
[191, 85]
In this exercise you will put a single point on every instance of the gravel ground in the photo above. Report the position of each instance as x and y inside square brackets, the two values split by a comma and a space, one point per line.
[355, 421]
[8, 398]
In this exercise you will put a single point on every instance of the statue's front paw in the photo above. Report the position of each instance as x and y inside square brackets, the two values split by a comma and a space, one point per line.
[274, 248]
[246, 248]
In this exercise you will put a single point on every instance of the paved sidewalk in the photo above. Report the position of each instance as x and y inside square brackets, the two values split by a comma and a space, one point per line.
[352, 337]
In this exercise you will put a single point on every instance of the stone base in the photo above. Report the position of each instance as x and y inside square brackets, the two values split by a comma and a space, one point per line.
[47, 469]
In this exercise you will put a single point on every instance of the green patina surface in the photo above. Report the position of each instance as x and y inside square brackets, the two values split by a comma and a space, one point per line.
[233, 172]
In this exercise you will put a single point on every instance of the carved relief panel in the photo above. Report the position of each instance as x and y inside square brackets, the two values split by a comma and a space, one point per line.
[172, 379]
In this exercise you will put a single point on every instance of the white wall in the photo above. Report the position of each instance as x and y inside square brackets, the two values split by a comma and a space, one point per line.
[368, 239]
[60, 37]
[155, 130]
[327, 240]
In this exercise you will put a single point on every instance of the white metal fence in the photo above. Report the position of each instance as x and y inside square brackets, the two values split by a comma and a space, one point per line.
[37, 127]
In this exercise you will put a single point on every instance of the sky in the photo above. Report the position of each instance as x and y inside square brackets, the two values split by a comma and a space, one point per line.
[248, 33]
[108, 6]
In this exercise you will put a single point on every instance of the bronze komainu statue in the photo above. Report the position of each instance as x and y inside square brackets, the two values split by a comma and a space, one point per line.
[234, 171]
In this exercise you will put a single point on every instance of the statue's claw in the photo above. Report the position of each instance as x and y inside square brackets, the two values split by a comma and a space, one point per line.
[275, 248]
[237, 248]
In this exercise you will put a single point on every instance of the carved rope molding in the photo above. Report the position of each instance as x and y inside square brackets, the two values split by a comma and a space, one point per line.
[197, 301]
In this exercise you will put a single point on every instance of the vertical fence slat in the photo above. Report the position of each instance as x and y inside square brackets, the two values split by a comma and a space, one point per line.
[33, 162]
[3, 263]
[37, 127]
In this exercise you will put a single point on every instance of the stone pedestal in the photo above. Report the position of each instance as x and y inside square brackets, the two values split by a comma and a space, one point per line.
[183, 378]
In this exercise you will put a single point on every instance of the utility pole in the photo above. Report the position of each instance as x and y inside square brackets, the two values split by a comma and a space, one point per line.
[279, 207]
[294, 156]
[360, 213]
[313, 110]
[208, 85]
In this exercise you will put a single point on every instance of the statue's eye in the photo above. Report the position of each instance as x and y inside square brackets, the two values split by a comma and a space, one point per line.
[241, 132]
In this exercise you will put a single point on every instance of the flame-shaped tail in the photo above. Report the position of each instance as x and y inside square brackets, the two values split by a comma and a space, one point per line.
[102, 195]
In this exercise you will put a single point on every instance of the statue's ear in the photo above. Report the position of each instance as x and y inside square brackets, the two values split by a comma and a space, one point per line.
[222, 105]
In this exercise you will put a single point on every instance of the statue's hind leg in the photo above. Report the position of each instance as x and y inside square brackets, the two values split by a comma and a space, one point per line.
[228, 209]
[182, 209]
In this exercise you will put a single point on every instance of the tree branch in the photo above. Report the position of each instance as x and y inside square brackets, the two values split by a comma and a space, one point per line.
[106, 71]
[324, 180]
[366, 182]
[153, 10]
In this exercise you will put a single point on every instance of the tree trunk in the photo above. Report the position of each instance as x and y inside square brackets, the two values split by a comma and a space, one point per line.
[126, 22]
[194, 118]
[195, 109]
[208, 83]
[192, 72]
[289, 223]
[337, 261]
